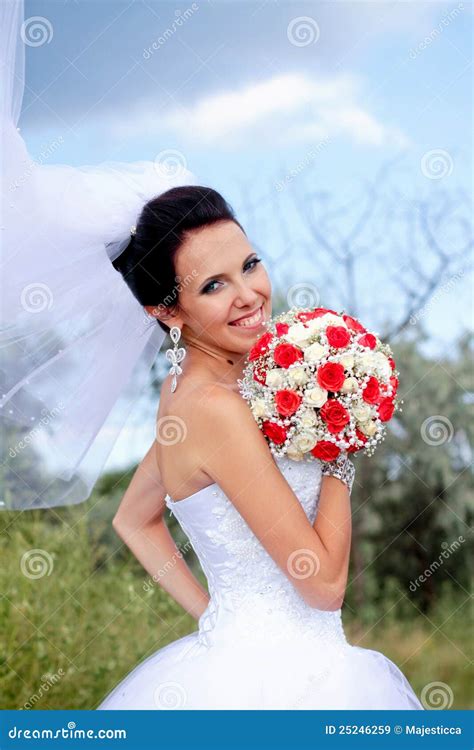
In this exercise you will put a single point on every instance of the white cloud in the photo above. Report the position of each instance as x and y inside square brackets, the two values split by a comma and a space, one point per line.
[284, 109]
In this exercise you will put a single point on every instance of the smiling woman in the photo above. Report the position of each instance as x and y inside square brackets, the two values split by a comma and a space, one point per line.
[270, 633]
[103, 263]
[191, 233]
[148, 263]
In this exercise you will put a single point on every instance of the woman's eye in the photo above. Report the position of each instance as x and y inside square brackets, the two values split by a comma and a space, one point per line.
[208, 287]
[253, 262]
[250, 264]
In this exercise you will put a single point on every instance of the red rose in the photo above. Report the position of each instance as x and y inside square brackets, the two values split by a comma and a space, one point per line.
[316, 313]
[282, 328]
[285, 354]
[368, 339]
[331, 376]
[287, 402]
[371, 392]
[338, 336]
[260, 346]
[274, 431]
[353, 324]
[325, 450]
[385, 409]
[362, 437]
[394, 383]
[335, 415]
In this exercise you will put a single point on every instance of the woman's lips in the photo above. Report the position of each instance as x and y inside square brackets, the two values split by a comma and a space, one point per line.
[256, 319]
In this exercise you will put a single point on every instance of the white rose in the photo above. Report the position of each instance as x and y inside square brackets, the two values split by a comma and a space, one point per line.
[298, 334]
[361, 412]
[305, 441]
[329, 319]
[259, 408]
[315, 352]
[382, 365]
[275, 378]
[315, 325]
[366, 362]
[347, 361]
[293, 453]
[297, 376]
[368, 428]
[349, 385]
[307, 418]
[315, 396]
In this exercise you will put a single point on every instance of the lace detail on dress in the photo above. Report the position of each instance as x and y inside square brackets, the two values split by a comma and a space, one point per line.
[247, 588]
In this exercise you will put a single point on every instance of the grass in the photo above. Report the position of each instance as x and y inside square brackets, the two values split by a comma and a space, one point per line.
[71, 633]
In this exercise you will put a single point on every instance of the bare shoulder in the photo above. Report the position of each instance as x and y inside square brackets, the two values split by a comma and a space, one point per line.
[222, 412]
[231, 440]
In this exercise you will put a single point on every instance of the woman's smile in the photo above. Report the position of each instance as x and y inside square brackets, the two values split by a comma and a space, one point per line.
[250, 321]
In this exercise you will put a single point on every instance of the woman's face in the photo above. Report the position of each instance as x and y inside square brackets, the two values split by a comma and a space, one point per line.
[221, 281]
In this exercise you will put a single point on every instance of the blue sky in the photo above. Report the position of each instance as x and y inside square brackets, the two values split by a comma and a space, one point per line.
[252, 96]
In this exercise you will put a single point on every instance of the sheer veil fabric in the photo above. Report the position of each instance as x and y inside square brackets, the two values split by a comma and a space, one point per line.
[76, 347]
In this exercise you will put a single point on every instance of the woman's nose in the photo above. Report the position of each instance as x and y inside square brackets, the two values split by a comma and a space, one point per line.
[245, 295]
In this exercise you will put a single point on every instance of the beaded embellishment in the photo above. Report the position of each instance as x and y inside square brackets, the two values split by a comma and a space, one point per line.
[342, 468]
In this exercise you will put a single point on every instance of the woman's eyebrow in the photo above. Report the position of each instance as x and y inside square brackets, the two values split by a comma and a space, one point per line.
[220, 275]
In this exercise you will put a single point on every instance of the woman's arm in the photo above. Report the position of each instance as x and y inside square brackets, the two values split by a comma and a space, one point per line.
[140, 523]
[333, 525]
[235, 454]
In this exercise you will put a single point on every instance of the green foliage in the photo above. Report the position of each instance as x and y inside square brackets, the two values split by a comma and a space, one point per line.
[412, 502]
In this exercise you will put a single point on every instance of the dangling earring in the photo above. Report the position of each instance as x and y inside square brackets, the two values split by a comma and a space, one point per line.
[175, 356]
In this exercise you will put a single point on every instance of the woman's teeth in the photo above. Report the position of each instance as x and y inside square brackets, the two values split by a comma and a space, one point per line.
[248, 322]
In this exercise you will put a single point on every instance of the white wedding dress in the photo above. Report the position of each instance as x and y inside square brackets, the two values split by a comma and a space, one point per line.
[259, 645]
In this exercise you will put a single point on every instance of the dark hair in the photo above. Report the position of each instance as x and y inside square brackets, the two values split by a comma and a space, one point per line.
[147, 263]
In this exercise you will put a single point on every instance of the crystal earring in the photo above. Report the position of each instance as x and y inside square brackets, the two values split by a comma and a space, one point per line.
[175, 356]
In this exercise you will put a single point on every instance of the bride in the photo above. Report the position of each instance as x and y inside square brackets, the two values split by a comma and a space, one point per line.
[272, 535]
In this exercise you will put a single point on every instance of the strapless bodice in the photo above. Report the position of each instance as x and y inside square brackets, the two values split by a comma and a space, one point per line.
[248, 591]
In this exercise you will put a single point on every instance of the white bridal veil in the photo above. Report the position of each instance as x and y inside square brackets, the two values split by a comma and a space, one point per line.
[76, 347]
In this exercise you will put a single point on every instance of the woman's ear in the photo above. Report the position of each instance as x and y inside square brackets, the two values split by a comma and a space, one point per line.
[165, 314]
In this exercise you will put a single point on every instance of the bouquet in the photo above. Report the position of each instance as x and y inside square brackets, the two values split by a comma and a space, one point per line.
[320, 384]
